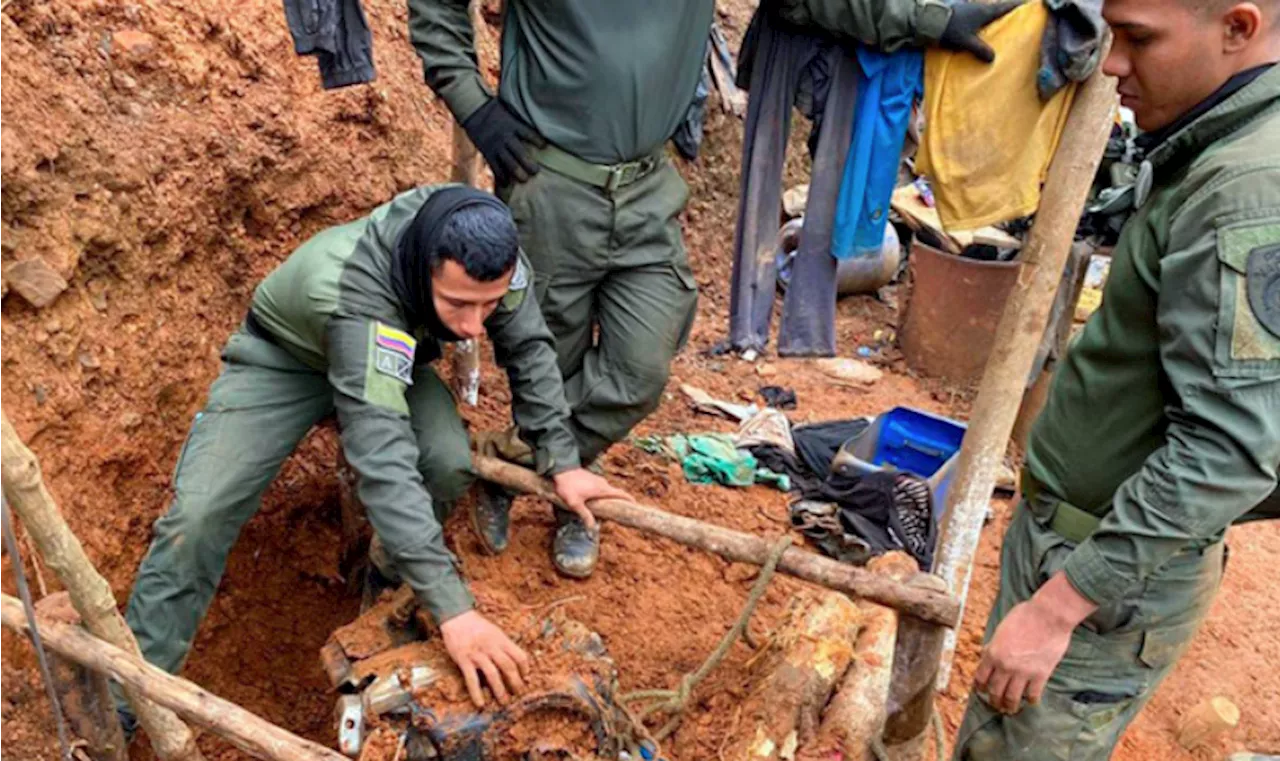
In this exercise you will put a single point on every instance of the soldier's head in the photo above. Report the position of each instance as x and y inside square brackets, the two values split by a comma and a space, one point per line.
[1171, 54]
[472, 265]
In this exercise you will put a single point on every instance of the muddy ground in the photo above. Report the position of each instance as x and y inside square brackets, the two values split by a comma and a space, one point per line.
[163, 157]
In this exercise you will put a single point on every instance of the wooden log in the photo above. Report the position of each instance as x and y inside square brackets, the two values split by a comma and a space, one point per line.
[914, 685]
[247, 731]
[795, 677]
[1021, 327]
[86, 702]
[855, 718]
[1207, 721]
[90, 594]
[911, 597]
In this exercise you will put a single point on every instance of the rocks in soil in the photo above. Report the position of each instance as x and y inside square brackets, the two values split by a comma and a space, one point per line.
[36, 281]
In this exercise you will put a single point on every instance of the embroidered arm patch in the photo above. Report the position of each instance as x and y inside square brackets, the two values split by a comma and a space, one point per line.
[1263, 274]
[393, 353]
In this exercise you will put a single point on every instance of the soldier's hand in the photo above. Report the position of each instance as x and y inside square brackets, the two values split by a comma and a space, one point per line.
[579, 486]
[1028, 645]
[967, 19]
[503, 139]
[480, 647]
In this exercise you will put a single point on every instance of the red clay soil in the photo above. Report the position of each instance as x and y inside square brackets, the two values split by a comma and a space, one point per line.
[164, 174]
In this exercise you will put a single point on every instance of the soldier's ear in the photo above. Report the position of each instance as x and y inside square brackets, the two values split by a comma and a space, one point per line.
[1241, 25]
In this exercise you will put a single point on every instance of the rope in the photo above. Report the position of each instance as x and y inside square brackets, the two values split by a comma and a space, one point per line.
[674, 701]
[20, 577]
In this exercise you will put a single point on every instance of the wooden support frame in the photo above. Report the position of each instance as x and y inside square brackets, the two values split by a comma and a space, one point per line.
[247, 731]
[1021, 328]
[90, 593]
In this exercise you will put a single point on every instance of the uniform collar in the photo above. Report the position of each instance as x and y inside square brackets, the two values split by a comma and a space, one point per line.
[1240, 98]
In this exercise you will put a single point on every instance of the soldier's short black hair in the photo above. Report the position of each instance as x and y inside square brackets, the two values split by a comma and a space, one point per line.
[480, 237]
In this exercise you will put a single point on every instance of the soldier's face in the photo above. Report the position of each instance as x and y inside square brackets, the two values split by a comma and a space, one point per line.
[463, 303]
[1171, 54]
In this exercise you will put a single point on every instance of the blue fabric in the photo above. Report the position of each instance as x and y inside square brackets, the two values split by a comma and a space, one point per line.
[888, 85]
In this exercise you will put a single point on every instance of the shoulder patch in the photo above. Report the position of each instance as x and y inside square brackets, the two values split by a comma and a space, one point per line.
[1262, 271]
[520, 280]
[519, 284]
[393, 353]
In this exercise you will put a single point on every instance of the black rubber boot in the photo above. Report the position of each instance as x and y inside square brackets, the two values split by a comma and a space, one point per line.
[575, 549]
[491, 517]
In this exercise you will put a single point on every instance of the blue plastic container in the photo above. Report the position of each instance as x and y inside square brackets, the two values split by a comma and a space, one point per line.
[915, 441]
[919, 442]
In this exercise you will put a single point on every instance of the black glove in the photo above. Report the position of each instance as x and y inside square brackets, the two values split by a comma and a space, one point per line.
[967, 19]
[501, 138]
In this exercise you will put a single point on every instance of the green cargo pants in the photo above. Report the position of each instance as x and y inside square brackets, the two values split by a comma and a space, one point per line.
[614, 284]
[1115, 659]
[259, 408]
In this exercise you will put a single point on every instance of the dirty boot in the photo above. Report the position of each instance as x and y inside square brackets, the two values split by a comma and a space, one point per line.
[491, 517]
[575, 549]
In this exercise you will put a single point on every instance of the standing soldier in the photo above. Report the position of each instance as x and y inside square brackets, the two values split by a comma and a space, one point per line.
[1163, 425]
[592, 91]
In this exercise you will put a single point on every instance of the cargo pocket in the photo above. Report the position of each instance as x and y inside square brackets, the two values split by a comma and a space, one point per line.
[684, 274]
[1162, 647]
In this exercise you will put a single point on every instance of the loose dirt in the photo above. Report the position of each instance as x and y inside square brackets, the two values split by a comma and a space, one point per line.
[164, 157]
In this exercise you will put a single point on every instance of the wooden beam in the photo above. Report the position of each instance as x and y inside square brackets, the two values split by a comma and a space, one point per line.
[918, 600]
[86, 700]
[1021, 327]
[914, 686]
[90, 593]
[247, 731]
[854, 720]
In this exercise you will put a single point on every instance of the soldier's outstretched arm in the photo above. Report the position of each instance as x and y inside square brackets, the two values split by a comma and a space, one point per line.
[891, 24]
[370, 366]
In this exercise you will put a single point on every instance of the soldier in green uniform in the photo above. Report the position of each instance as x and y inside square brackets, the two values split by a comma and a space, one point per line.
[592, 91]
[350, 324]
[1163, 424]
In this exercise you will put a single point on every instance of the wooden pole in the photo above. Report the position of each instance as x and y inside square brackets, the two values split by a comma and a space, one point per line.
[854, 719]
[468, 167]
[914, 599]
[1021, 327]
[90, 593]
[83, 692]
[247, 731]
[914, 684]
[793, 678]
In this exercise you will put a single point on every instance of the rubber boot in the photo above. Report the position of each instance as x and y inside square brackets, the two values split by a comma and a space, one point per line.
[575, 549]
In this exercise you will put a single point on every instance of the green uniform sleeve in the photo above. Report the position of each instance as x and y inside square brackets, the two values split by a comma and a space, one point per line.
[525, 348]
[1222, 445]
[883, 24]
[446, 42]
[369, 383]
